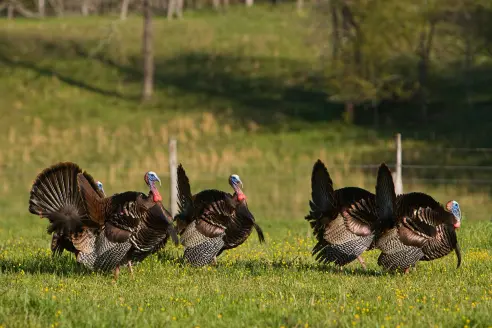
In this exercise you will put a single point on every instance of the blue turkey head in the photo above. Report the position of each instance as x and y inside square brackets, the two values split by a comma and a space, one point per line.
[235, 181]
[453, 207]
[150, 178]
[100, 186]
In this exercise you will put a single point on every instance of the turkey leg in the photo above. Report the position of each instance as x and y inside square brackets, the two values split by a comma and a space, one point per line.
[361, 260]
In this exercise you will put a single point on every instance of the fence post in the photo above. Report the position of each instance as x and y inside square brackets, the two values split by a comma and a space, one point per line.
[173, 160]
[398, 178]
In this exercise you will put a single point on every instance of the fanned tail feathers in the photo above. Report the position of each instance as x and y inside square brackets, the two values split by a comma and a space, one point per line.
[55, 195]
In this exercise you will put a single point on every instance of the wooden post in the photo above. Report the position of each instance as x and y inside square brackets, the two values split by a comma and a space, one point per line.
[173, 175]
[398, 180]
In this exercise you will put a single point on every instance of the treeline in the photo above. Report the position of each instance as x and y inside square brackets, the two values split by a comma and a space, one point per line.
[170, 8]
[390, 51]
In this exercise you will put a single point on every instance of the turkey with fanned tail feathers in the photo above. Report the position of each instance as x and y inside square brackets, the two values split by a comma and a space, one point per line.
[413, 227]
[55, 195]
[212, 221]
[137, 221]
[103, 232]
[328, 214]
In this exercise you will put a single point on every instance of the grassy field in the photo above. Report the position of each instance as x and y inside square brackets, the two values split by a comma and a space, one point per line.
[238, 93]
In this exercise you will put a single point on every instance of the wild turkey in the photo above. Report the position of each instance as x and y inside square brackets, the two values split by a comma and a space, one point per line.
[212, 221]
[336, 243]
[138, 223]
[55, 191]
[413, 226]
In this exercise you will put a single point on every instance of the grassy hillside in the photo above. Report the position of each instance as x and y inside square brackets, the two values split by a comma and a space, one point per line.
[240, 93]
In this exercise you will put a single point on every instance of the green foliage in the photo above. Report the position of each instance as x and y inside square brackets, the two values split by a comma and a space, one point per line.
[373, 49]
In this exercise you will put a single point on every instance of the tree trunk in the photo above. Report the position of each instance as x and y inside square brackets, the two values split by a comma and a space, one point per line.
[425, 45]
[216, 4]
[350, 23]
[85, 8]
[469, 53]
[171, 8]
[41, 8]
[147, 51]
[57, 6]
[124, 9]
[335, 33]
[349, 112]
[300, 5]
[179, 8]
[10, 10]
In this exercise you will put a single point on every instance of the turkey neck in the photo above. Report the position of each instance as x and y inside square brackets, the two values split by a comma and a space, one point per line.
[239, 193]
[156, 196]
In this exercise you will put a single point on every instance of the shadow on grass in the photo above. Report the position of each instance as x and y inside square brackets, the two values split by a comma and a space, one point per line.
[271, 91]
[259, 267]
[47, 72]
[266, 90]
[61, 266]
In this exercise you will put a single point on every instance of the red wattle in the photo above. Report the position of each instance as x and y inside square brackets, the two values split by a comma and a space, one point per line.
[241, 196]
[157, 196]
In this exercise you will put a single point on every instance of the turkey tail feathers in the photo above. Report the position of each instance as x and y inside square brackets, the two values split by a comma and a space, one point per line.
[54, 195]
[185, 199]
[385, 194]
[322, 190]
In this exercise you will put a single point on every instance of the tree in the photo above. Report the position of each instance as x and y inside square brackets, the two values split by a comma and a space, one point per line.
[124, 9]
[147, 52]
[41, 7]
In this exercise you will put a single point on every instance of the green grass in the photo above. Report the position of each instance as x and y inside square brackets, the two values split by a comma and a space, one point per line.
[271, 285]
[239, 93]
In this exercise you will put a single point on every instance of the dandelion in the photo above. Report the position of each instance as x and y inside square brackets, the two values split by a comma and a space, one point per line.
[219, 316]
